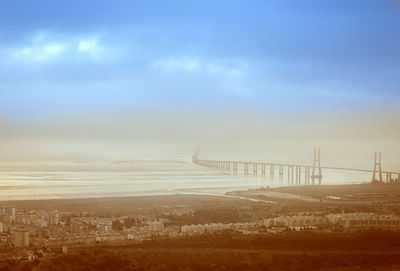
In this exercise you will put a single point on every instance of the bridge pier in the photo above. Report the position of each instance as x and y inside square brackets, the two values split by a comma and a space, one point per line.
[292, 175]
[271, 173]
[280, 174]
[263, 170]
[300, 175]
[294, 172]
[299, 170]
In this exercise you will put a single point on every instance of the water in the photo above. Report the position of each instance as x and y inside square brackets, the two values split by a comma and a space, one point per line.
[63, 180]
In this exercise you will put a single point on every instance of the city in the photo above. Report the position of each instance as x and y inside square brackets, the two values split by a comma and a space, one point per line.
[32, 234]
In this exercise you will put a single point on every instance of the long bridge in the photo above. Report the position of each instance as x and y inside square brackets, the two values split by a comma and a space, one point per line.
[296, 174]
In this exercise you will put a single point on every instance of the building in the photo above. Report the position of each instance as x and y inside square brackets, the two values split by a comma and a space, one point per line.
[21, 238]
[351, 220]
[156, 226]
[294, 221]
[13, 214]
[64, 249]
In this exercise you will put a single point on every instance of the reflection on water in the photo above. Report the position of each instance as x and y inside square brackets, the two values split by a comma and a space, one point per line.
[66, 180]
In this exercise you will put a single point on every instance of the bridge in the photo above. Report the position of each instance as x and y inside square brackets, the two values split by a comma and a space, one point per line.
[292, 174]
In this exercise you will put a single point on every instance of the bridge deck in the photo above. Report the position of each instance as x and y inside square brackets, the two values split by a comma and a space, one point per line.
[290, 165]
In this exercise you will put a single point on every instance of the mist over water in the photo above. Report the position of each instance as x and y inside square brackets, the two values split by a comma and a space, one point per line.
[107, 158]
[135, 178]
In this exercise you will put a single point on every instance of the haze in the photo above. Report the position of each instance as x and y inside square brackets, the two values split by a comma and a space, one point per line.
[262, 81]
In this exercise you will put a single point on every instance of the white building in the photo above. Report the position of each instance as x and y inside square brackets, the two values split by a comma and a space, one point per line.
[364, 220]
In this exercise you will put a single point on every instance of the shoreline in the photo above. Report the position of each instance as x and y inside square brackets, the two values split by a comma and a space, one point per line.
[152, 195]
[225, 193]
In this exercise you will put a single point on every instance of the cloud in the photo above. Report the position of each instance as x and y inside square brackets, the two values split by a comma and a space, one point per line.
[43, 47]
[288, 57]
[229, 68]
[40, 53]
[53, 48]
[89, 46]
[174, 64]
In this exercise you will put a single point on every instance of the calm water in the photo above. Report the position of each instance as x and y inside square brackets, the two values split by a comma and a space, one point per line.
[108, 179]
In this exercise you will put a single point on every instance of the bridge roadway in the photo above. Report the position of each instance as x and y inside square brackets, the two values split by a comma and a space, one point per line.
[295, 172]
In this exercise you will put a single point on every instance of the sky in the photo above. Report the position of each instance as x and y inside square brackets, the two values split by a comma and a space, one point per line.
[144, 69]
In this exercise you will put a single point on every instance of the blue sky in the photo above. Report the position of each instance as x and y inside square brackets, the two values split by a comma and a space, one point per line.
[68, 58]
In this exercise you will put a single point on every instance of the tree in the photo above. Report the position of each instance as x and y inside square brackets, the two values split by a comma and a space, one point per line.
[117, 225]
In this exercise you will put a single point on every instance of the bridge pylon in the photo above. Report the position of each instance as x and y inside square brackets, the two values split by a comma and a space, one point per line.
[316, 167]
[377, 167]
[196, 154]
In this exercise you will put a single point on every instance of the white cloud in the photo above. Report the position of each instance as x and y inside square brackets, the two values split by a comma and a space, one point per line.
[89, 46]
[178, 64]
[53, 49]
[41, 52]
[43, 48]
[217, 67]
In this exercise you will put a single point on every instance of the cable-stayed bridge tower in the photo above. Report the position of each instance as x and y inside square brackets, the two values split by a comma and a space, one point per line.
[316, 168]
[196, 154]
[377, 167]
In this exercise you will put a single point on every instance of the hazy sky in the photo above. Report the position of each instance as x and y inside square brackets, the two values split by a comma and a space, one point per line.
[68, 66]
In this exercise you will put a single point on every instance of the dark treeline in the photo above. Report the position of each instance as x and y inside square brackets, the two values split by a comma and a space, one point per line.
[130, 205]
[215, 260]
[375, 249]
[306, 240]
